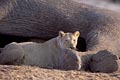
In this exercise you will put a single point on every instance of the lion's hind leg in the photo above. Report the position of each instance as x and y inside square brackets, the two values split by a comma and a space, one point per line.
[12, 54]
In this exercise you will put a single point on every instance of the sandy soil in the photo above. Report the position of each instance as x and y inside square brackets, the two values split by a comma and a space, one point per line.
[106, 4]
[35, 73]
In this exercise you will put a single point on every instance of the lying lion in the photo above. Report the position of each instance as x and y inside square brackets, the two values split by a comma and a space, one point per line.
[55, 53]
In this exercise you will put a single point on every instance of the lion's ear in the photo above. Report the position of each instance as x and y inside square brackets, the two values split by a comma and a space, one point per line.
[61, 33]
[76, 33]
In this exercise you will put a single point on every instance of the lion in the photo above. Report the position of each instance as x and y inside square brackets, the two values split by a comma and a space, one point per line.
[54, 53]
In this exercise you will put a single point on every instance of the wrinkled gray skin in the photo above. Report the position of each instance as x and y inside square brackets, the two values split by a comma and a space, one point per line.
[104, 61]
[69, 60]
[44, 18]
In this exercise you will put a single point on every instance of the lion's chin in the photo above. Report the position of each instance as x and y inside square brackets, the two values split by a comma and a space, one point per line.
[73, 48]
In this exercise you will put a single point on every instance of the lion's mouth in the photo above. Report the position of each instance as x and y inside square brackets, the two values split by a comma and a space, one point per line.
[73, 48]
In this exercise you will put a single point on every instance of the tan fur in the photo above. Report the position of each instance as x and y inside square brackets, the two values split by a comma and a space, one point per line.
[39, 54]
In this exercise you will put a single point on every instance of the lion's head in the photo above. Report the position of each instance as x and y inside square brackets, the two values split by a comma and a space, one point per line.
[68, 40]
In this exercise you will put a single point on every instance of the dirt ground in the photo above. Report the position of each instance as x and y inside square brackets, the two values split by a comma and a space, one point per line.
[35, 73]
[106, 4]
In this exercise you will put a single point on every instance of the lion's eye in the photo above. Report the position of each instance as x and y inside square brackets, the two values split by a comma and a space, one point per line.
[66, 41]
[74, 40]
